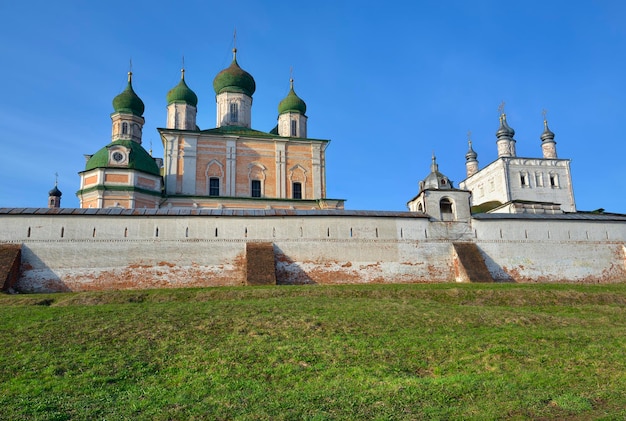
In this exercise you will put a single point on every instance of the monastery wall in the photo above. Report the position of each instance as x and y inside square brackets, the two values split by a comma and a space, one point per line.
[98, 249]
[544, 250]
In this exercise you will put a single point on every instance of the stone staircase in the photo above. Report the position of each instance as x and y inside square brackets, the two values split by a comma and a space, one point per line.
[260, 266]
[469, 264]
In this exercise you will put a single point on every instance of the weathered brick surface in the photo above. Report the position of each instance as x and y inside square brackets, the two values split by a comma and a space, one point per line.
[470, 265]
[260, 266]
[10, 259]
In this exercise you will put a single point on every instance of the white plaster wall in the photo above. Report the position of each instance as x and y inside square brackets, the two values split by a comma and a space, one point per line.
[561, 194]
[83, 252]
[489, 184]
[556, 250]
[223, 101]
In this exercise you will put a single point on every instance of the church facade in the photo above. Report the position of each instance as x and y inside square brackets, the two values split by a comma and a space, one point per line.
[513, 184]
[231, 166]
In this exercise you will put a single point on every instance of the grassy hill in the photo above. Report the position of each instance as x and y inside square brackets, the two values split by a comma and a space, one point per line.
[443, 351]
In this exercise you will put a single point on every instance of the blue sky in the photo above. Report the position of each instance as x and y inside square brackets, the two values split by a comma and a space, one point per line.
[387, 82]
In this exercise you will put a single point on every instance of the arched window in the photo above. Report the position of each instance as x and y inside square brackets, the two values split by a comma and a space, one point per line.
[256, 175]
[214, 176]
[445, 206]
[234, 112]
[294, 128]
[420, 208]
[554, 180]
[124, 128]
[523, 178]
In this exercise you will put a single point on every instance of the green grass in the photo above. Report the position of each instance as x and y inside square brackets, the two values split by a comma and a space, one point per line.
[388, 352]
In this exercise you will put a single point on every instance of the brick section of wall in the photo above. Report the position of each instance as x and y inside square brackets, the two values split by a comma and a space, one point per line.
[10, 260]
[470, 265]
[260, 266]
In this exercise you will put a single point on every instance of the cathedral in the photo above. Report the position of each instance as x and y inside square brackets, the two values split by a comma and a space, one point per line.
[231, 166]
[234, 166]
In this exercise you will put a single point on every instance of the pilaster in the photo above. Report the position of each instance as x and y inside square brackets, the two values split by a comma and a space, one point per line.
[189, 165]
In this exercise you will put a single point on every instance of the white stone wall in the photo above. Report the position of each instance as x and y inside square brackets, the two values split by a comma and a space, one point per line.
[244, 112]
[181, 116]
[524, 250]
[97, 251]
[284, 125]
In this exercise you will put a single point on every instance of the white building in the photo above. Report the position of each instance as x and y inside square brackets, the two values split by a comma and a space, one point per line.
[513, 184]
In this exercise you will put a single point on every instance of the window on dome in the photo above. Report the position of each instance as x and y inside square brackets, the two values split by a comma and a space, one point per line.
[234, 112]
[214, 186]
[256, 188]
[124, 128]
[296, 190]
[294, 128]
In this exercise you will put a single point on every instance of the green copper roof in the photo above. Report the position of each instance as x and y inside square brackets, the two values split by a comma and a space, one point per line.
[236, 130]
[182, 93]
[292, 103]
[234, 79]
[138, 158]
[128, 101]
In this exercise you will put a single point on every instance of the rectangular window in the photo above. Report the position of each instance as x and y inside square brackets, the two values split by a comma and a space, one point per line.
[524, 180]
[214, 186]
[554, 180]
[294, 128]
[256, 188]
[234, 112]
[296, 190]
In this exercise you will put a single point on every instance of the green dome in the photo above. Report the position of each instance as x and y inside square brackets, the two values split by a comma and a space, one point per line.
[234, 79]
[292, 103]
[128, 101]
[138, 158]
[182, 93]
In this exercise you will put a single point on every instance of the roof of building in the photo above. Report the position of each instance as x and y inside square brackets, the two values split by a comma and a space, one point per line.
[128, 101]
[292, 103]
[234, 79]
[245, 131]
[471, 155]
[138, 158]
[587, 216]
[435, 179]
[547, 135]
[55, 192]
[182, 93]
[504, 130]
[208, 212]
